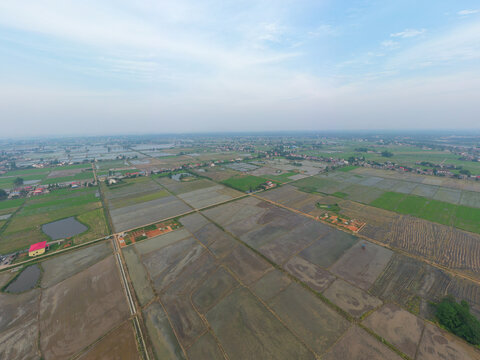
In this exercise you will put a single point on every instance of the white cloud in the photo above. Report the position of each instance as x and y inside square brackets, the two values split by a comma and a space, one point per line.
[468, 12]
[389, 44]
[453, 46]
[408, 33]
[324, 30]
[113, 29]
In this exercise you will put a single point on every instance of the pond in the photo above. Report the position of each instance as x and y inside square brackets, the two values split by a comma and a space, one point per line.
[27, 280]
[64, 228]
[178, 177]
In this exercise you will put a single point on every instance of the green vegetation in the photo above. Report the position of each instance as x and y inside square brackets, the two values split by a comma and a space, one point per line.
[96, 223]
[347, 168]
[462, 217]
[3, 195]
[25, 226]
[329, 207]
[340, 194]
[283, 178]
[456, 318]
[31, 171]
[18, 182]
[387, 154]
[11, 204]
[86, 175]
[245, 182]
[134, 199]
[8, 182]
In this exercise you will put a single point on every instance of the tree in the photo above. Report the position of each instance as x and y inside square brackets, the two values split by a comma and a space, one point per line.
[3, 194]
[465, 172]
[456, 318]
[18, 182]
[387, 153]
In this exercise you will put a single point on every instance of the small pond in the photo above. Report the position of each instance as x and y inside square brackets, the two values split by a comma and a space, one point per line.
[27, 280]
[178, 177]
[64, 228]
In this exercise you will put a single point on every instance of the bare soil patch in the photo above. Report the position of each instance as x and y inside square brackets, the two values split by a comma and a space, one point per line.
[398, 327]
[351, 299]
[64, 314]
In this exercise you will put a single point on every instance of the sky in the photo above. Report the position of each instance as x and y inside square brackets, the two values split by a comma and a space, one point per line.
[152, 66]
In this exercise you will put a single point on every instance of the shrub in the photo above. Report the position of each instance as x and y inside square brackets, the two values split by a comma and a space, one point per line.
[456, 318]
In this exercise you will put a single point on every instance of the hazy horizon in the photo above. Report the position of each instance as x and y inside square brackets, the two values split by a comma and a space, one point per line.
[143, 67]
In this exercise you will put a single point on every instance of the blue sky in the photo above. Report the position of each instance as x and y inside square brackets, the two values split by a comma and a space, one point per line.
[89, 67]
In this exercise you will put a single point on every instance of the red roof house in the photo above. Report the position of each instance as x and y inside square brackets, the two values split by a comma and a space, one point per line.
[37, 249]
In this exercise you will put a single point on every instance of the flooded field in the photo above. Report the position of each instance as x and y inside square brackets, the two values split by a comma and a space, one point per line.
[25, 281]
[64, 228]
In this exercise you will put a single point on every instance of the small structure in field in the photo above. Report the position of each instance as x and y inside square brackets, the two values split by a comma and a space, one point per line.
[37, 249]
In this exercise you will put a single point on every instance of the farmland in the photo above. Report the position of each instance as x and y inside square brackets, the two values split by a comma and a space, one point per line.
[227, 246]
[245, 183]
[25, 226]
[143, 197]
[217, 271]
[30, 321]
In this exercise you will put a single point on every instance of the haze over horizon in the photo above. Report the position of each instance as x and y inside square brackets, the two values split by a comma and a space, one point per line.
[116, 67]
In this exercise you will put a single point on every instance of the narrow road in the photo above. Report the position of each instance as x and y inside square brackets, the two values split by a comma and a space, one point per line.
[131, 303]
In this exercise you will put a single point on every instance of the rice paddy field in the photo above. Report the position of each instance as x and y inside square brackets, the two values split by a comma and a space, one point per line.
[447, 202]
[246, 276]
[48, 175]
[245, 183]
[25, 226]
[43, 323]
[140, 201]
[252, 269]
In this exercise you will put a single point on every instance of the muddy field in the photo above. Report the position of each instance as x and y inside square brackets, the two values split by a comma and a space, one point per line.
[362, 265]
[275, 232]
[317, 324]
[351, 299]
[205, 292]
[63, 266]
[132, 187]
[398, 327]
[134, 216]
[444, 245]
[60, 304]
[19, 325]
[438, 344]
[209, 196]
[414, 284]
[241, 316]
[118, 344]
[358, 344]
[80, 300]
[181, 187]
[217, 173]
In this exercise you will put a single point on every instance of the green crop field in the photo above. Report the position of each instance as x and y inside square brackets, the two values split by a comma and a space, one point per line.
[32, 171]
[245, 183]
[7, 182]
[11, 204]
[25, 226]
[283, 178]
[462, 217]
[86, 175]
[134, 199]
[347, 168]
